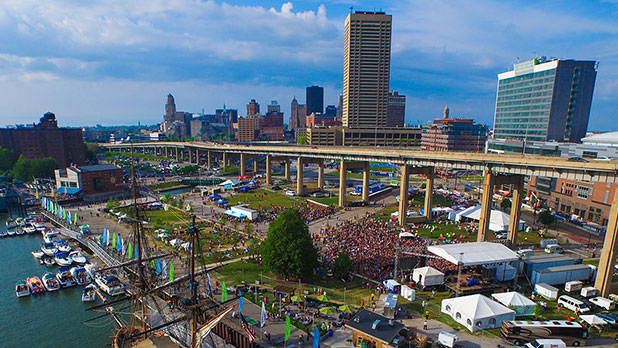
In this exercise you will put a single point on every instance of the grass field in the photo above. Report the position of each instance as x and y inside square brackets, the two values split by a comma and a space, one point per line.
[166, 185]
[355, 175]
[262, 198]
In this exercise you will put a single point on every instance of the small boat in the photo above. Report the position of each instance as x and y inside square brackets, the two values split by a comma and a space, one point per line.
[48, 261]
[91, 268]
[10, 224]
[49, 249]
[77, 257]
[65, 278]
[63, 259]
[35, 285]
[22, 289]
[3, 234]
[49, 236]
[90, 293]
[37, 253]
[20, 231]
[110, 284]
[64, 247]
[29, 229]
[50, 282]
[10, 233]
[39, 226]
[80, 275]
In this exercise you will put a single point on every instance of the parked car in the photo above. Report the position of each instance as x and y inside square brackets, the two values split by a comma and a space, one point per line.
[290, 193]
[318, 194]
[610, 318]
[276, 188]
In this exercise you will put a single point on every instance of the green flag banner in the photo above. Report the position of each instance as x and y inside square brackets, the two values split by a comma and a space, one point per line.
[288, 327]
[171, 272]
[114, 240]
[130, 251]
[152, 262]
[223, 293]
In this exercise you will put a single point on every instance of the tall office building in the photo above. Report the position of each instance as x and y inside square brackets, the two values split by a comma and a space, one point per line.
[298, 117]
[366, 69]
[542, 100]
[273, 107]
[315, 100]
[396, 110]
[253, 108]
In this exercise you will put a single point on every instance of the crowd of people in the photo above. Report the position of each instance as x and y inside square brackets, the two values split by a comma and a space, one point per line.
[308, 213]
[373, 244]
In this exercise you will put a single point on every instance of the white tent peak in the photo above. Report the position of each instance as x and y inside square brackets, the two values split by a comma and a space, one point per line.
[479, 307]
[513, 298]
[428, 271]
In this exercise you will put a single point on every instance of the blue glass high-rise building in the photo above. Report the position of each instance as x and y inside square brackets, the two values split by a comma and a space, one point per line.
[542, 100]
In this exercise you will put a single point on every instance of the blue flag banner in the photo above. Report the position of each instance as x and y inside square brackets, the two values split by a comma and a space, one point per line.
[240, 302]
[316, 337]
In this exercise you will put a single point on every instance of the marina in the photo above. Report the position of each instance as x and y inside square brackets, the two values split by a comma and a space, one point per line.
[50, 317]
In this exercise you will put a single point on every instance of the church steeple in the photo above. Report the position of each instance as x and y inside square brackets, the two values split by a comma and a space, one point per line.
[446, 111]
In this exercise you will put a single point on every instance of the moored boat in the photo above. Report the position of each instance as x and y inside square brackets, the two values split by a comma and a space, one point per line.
[80, 275]
[35, 285]
[49, 249]
[49, 236]
[64, 247]
[63, 259]
[48, 261]
[65, 278]
[10, 224]
[29, 229]
[77, 257]
[22, 289]
[39, 226]
[37, 253]
[50, 282]
[109, 284]
[20, 231]
[90, 293]
[10, 233]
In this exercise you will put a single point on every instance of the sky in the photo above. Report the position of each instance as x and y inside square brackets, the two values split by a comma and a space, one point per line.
[113, 62]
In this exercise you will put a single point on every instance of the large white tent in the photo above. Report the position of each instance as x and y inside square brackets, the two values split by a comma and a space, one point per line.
[477, 312]
[472, 254]
[428, 276]
[498, 220]
[522, 305]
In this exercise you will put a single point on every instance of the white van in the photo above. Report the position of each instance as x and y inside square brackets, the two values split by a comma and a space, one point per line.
[554, 248]
[570, 303]
[573, 286]
[589, 292]
[546, 343]
[604, 303]
[525, 252]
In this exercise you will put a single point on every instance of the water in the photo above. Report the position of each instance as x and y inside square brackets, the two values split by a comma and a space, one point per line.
[50, 320]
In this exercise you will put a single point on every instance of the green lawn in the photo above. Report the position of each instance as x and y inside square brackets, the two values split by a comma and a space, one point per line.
[472, 178]
[355, 175]
[166, 185]
[262, 198]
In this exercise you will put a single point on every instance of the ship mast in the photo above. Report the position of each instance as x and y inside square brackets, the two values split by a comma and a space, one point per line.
[193, 286]
[138, 243]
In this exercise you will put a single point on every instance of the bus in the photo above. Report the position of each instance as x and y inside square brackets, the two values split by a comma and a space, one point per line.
[372, 188]
[521, 332]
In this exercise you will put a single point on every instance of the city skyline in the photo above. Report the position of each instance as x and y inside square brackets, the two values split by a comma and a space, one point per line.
[115, 64]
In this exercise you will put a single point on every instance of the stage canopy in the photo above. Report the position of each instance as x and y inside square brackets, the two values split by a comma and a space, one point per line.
[472, 254]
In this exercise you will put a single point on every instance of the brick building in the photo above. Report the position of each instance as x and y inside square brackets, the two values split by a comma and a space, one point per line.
[94, 183]
[46, 139]
[454, 134]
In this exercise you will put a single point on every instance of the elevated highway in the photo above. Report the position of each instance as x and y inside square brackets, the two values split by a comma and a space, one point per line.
[498, 169]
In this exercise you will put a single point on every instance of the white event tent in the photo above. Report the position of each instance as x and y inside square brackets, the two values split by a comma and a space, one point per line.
[522, 305]
[498, 220]
[428, 276]
[477, 312]
[473, 254]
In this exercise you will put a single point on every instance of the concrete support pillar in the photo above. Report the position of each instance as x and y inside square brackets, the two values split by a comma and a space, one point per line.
[268, 171]
[177, 158]
[343, 172]
[224, 160]
[606, 270]
[321, 174]
[299, 175]
[517, 190]
[404, 182]
[208, 163]
[242, 164]
[287, 169]
[366, 174]
[429, 192]
[486, 202]
[256, 164]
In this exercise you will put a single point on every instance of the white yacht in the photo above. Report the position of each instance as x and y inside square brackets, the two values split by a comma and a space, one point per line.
[109, 284]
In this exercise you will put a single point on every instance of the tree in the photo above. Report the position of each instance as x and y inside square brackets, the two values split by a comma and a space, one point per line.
[91, 150]
[302, 139]
[112, 203]
[28, 168]
[288, 249]
[7, 159]
[342, 265]
[505, 204]
[546, 218]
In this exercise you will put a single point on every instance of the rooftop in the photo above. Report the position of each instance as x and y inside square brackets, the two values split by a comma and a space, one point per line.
[607, 139]
[385, 331]
[97, 168]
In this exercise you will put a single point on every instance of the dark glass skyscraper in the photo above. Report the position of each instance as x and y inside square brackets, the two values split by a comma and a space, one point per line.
[315, 100]
[542, 100]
